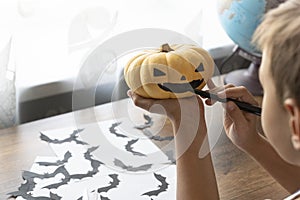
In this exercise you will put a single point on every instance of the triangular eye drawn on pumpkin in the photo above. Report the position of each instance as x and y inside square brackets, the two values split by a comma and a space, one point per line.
[157, 72]
[200, 68]
[183, 78]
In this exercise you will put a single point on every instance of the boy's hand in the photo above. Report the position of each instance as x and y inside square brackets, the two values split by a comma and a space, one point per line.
[173, 107]
[188, 120]
[240, 126]
[176, 110]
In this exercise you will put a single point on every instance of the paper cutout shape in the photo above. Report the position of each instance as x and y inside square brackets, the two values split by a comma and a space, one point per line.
[72, 137]
[129, 148]
[147, 124]
[58, 162]
[30, 197]
[104, 198]
[113, 130]
[171, 156]
[113, 184]
[130, 168]
[121, 146]
[161, 188]
[29, 185]
[157, 137]
[77, 167]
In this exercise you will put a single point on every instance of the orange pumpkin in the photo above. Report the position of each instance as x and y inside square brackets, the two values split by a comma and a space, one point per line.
[178, 65]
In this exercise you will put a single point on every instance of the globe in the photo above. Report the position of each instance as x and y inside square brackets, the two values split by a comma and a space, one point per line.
[240, 18]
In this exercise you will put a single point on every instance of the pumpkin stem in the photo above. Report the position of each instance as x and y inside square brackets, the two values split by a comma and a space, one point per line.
[166, 48]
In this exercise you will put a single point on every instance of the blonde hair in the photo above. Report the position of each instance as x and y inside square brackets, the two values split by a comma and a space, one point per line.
[279, 33]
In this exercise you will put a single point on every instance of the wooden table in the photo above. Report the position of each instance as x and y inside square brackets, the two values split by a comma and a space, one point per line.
[239, 177]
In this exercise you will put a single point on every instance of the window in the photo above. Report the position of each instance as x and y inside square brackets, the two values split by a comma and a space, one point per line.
[52, 37]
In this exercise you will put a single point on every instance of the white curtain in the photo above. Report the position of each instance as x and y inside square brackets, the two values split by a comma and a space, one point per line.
[7, 86]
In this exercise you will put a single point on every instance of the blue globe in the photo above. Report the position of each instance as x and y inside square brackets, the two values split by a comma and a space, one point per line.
[240, 18]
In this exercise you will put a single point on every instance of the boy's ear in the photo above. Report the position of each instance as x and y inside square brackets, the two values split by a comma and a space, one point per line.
[294, 121]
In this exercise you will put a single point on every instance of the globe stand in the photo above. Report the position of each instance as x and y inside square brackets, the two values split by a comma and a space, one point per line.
[247, 77]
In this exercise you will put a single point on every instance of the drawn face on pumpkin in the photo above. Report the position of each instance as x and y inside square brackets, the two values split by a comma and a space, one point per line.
[177, 78]
[169, 73]
[182, 84]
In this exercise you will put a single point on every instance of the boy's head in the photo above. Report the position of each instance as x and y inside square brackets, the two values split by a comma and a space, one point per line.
[278, 36]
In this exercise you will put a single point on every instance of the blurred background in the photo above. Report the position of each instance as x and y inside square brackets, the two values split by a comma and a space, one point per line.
[43, 44]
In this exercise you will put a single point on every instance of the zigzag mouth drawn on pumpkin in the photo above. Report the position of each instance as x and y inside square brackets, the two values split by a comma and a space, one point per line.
[181, 87]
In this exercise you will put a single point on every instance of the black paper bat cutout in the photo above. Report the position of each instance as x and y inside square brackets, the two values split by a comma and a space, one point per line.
[54, 196]
[30, 197]
[147, 124]
[171, 156]
[29, 184]
[73, 137]
[156, 137]
[58, 162]
[103, 198]
[129, 148]
[119, 163]
[29, 176]
[113, 184]
[95, 164]
[161, 188]
[27, 187]
[63, 181]
[113, 130]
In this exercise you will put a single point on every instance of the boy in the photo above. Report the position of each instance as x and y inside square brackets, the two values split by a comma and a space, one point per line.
[278, 36]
